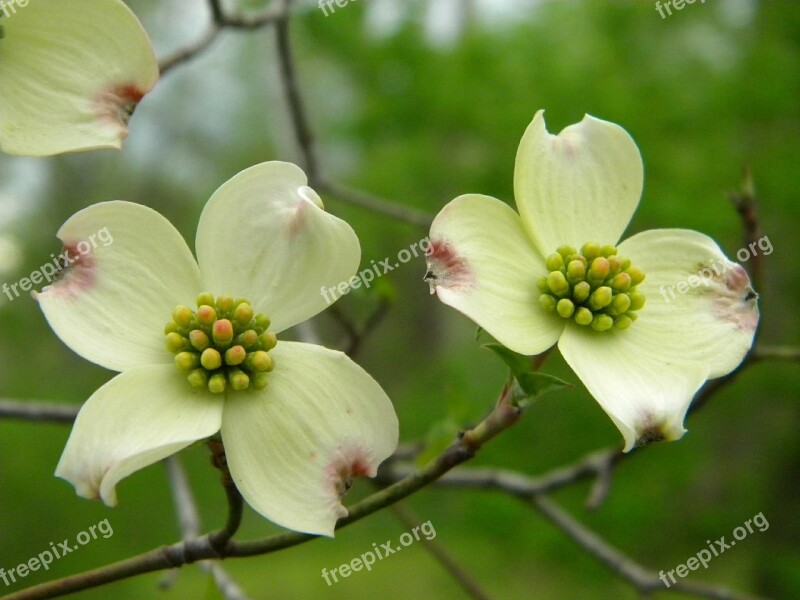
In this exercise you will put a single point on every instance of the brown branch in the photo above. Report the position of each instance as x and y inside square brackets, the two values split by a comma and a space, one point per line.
[746, 204]
[376, 204]
[219, 544]
[294, 100]
[38, 411]
[463, 577]
[644, 580]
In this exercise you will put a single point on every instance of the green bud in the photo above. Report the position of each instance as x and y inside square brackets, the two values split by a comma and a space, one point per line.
[636, 274]
[602, 323]
[186, 361]
[199, 339]
[211, 359]
[608, 250]
[248, 339]
[268, 341]
[217, 383]
[198, 378]
[259, 380]
[259, 361]
[583, 316]
[620, 303]
[222, 332]
[548, 302]
[243, 314]
[566, 252]
[183, 316]
[565, 308]
[542, 286]
[637, 300]
[623, 322]
[176, 342]
[625, 263]
[554, 262]
[600, 298]
[262, 322]
[614, 266]
[206, 298]
[206, 315]
[576, 271]
[598, 271]
[581, 291]
[558, 283]
[239, 379]
[591, 250]
[170, 327]
[235, 355]
[225, 304]
[621, 282]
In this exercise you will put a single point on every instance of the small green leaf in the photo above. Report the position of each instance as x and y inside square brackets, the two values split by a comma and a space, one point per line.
[529, 384]
[478, 332]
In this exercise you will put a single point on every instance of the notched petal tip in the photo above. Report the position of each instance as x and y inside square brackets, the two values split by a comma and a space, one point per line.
[116, 105]
[347, 464]
[447, 269]
[72, 272]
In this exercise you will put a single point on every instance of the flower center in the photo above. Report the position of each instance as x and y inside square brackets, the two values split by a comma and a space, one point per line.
[222, 343]
[593, 287]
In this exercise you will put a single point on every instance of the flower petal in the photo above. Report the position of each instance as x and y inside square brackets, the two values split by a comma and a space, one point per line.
[482, 263]
[700, 306]
[293, 447]
[578, 186]
[72, 72]
[136, 419]
[264, 236]
[645, 395]
[130, 269]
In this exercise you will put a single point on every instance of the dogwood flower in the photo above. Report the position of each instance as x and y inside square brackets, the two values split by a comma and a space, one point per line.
[73, 72]
[556, 273]
[298, 421]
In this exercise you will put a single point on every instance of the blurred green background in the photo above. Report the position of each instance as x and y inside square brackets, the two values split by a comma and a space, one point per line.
[420, 102]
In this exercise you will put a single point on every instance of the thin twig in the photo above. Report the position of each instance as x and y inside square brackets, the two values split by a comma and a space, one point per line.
[375, 204]
[294, 100]
[643, 579]
[38, 411]
[463, 577]
[502, 417]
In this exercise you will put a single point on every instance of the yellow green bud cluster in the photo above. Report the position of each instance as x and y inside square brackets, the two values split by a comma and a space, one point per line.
[594, 286]
[222, 344]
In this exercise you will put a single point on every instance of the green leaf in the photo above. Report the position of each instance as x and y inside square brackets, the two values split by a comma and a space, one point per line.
[530, 384]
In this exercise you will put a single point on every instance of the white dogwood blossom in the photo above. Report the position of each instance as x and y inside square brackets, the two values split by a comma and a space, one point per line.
[72, 73]
[555, 273]
[298, 421]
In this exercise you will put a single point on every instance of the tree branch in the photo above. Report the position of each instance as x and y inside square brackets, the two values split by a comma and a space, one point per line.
[38, 411]
[219, 544]
[643, 579]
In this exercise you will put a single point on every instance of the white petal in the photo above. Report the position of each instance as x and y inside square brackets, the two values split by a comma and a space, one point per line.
[578, 186]
[482, 263]
[72, 72]
[645, 394]
[136, 419]
[709, 318]
[132, 269]
[264, 236]
[320, 420]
